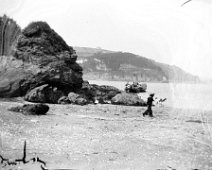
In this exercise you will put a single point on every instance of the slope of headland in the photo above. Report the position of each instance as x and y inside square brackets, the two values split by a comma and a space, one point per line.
[111, 65]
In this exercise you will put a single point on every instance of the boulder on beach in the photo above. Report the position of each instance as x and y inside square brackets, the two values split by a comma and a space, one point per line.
[63, 100]
[31, 109]
[44, 94]
[81, 101]
[77, 99]
[104, 91]
[40, 56]
[128, 99]
[73, 97]
[94, 92]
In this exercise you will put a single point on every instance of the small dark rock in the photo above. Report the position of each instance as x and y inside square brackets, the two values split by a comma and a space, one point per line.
[31, 109]
[35, 109]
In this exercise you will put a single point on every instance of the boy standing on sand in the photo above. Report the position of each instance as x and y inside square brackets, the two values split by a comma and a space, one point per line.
[149, 106]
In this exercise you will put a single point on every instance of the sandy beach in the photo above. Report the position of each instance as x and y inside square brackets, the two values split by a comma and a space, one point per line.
[95, 137]
[88, 70]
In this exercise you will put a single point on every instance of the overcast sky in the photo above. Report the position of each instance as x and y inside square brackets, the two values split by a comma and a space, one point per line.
[158, 29]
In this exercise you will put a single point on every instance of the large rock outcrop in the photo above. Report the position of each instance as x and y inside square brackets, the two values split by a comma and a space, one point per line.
[40, 57]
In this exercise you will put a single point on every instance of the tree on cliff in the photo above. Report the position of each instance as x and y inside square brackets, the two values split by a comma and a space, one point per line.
[9, 32]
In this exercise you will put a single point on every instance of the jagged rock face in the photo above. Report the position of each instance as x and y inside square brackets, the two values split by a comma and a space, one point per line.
[41, 57]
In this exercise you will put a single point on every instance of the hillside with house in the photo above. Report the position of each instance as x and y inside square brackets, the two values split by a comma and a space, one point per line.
[124, 66]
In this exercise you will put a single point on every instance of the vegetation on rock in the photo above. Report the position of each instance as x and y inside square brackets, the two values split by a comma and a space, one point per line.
[38, 43]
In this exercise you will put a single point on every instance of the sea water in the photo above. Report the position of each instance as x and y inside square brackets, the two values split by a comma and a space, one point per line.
[179, 95]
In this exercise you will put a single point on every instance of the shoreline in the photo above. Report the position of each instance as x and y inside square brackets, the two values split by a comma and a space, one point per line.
[171, 82]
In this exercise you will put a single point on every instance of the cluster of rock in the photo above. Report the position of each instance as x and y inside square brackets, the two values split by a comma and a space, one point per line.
[43, 69]
[88, 93]
[135, 87]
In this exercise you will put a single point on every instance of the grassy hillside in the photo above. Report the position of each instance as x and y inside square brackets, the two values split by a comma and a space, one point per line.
[87, 51]
[108, 65]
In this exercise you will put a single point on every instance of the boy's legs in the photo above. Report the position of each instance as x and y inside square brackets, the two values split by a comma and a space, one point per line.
[150, 112]
[145, 113]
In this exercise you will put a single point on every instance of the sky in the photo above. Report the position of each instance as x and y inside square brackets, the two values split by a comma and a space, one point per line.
[161, 30]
